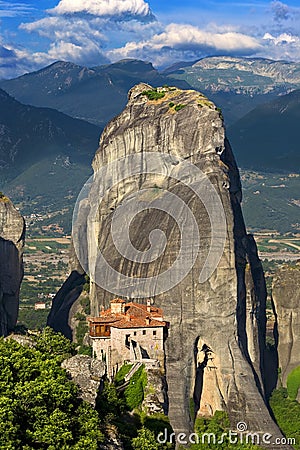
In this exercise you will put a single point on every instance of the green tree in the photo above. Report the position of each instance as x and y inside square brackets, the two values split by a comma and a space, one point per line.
[55, 344]
[145, 440]
[109, 403]
[293, 383]
[217, 426]
[39, 405]
[287, 414]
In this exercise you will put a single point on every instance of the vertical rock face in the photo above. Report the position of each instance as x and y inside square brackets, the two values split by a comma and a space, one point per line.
[214, 350]
[12, 235]
[286, 297]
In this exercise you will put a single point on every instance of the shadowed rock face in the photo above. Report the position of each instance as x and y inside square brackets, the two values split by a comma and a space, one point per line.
[12, 235]
[215, 345]
[286, 297]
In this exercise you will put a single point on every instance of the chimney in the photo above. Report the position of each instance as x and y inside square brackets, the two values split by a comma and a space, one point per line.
[148, 305]
[117, 306]
[127, 317]
[147, 320]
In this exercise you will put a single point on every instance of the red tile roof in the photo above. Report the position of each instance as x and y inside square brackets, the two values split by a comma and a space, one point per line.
[136, 316]
[135, 322]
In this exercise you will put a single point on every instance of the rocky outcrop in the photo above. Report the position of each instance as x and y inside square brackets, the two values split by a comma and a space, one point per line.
[87, 374]
[215, 344]
[24, 340]
[155, 394]
[286, 298]
[12, 235]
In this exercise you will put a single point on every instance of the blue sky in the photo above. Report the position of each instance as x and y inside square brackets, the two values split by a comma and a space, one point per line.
[35, 33]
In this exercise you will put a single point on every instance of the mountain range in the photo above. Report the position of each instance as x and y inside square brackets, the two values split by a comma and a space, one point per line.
[238, 85]
[92, 94]
[45, 155]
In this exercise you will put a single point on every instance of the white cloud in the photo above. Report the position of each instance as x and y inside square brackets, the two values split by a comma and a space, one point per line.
[93, 32]
[77, 40]
[283, 46]
[187, 42]
[14, 61]
[103, 7]
[283, 38]
[82, 38]
[14, 9]
[59, 28]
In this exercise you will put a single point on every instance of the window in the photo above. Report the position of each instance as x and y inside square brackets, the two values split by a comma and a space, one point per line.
[144, 332]
[134, 333]
[154, 332]
[127, 340]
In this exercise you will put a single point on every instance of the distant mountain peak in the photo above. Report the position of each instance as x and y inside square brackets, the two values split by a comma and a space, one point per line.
[94, 94]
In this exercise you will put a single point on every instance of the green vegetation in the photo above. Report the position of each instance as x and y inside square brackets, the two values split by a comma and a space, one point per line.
[179, 107]
[109, 403]
[122, 409]
[145, 440]
[55, 344]
[120, 376]
[268, 201]
[171, 104]
[293, 383]
[82, 325]
[81, 331]
[219, 426]
[33, 319]
[39, 406]
[220, 113]
[287, 415]
[86, 286]
[134, 393]
[3, 197]
[153, 94]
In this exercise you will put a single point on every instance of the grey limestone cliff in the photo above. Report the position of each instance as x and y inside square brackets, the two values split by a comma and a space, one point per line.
[286, 297]
[12, 235]
[215, 344]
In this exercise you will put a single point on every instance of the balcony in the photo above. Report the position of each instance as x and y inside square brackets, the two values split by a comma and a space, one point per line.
[99, 331]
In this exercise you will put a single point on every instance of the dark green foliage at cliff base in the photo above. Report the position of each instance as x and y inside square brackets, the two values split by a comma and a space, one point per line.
[136, 429]
[293, 383]
[54, 344]
[39, 406]
[287, 415]
[109, 403]
[145, 440]
[218, 424]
